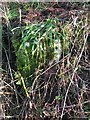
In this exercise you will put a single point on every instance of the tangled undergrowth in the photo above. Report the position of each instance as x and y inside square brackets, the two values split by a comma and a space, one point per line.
[52, 75]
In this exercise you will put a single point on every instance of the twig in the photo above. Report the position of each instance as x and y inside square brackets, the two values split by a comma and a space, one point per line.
[47, 70]
[85, 40]
[12, 77]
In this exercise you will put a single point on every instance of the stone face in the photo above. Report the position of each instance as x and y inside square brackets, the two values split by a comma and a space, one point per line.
[57, 50]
